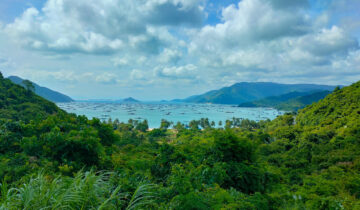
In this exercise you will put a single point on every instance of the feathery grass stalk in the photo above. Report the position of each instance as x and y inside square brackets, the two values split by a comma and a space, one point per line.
[87, 190]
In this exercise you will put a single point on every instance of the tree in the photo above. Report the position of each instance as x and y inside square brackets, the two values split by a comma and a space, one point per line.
[165, 124]
[179, 126]
[194, 124]
[142, 126]
[29, 85]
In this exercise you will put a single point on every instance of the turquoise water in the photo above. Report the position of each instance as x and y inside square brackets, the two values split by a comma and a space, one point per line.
[177, 112]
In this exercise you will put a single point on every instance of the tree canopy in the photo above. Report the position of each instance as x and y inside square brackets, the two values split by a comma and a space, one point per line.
[52, 159]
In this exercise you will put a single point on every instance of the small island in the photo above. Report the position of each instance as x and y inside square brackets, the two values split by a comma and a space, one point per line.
[130, 100]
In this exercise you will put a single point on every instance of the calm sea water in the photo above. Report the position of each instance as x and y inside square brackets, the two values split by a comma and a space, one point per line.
[178, 112]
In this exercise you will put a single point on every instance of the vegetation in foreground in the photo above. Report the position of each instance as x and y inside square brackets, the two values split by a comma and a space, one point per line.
[51, 159]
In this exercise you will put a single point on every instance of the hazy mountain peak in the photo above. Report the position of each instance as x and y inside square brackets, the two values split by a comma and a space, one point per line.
[44, 92]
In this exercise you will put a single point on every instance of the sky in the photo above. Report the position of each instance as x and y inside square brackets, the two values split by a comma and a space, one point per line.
[166, 49]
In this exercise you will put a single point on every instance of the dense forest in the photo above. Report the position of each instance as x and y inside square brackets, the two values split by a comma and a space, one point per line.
[243, 92]
[44, 92]
[50, 159]
[292, 101]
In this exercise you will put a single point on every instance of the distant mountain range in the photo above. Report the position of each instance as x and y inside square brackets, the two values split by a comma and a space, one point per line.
[130, 100]
[44, 92]
[244, 94]
[125, 100]
[289, 102]
[251, 91]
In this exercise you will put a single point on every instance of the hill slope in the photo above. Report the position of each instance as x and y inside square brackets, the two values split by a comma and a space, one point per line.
[339, 108]
[245, 92]
[44, 92]
[317, 156]
[288, 102]
[33, 127]
[308, 161]
[17, 103]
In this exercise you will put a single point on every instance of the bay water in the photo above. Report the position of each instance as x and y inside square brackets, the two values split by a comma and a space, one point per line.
[175, 112]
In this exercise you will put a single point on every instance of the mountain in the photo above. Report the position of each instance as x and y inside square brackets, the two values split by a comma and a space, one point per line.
[44, 92]
[17, 103]
[130, 100]
[289, 101]
[53, 160]
[317, 152]
[302, 101]
[251, 91]
[341, 108]
[125, 100]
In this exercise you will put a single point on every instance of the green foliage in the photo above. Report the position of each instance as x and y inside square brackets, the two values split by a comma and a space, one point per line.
[29, 85]
[17, 103]
[165, 124]
[245, 92]
[49, 159]
[41, 91]
[337, 109]
[292, 101]
[86, 190]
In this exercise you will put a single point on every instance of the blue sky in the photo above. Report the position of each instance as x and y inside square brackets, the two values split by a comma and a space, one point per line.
[164, 49]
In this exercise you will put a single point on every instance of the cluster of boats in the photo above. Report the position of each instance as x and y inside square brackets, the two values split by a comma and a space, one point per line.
[175, 112]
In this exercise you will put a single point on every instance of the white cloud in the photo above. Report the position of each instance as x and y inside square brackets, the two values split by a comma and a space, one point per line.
[120, 61]
[170, 56]
[69, 76]
[90, 26]
[150, 44]
[243, 26]
[328, 42]
[137, 74]
[177, 72]
[281, 42]
[106, 78]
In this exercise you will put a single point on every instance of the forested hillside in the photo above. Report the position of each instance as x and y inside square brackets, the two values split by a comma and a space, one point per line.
[251, 91]
[51, 159]
[18, 103]
[44, 92]
[289, 102]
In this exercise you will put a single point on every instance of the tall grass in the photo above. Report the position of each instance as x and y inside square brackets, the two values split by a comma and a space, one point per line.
[87, 190]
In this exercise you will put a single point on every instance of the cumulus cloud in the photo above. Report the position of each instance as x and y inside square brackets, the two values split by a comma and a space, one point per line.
[151, 43]
[328, 42]
[170, 56]
[177, 72]
[69, 76]
[89, 26]
[120, 61]
[137, 74]
[243, 25]
[106, 78]
[281, 43]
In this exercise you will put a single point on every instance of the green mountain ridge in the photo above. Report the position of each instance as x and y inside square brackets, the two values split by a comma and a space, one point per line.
[251, 91]
[17, 103]
[288, 102]
[44, 92]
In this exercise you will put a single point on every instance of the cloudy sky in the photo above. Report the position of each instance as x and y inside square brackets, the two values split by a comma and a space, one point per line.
[164, 49]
